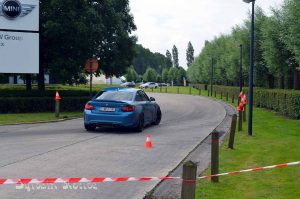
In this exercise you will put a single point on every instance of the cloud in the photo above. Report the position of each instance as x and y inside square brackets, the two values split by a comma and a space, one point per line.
[164, 23]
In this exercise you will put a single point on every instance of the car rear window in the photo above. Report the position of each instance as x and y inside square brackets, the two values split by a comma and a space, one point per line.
[116, 95]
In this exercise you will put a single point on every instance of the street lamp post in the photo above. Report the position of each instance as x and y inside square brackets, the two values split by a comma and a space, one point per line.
[211, 75]
[251, 69]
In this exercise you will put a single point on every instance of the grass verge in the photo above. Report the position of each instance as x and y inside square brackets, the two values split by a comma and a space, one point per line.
[36, 117]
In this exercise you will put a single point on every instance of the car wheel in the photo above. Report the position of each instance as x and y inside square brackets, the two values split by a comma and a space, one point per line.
[89, 127]
[158, 117]
[146, 86]
[140, 125]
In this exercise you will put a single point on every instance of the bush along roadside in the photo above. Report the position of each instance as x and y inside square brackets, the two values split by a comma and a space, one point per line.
[41, 104]
[285, 102]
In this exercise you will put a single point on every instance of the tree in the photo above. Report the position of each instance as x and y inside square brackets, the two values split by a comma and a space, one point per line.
[102, 29]
[175, 56]
[172, 74]
[165, 75]
[290, 15]
[144, 58]
[131, 75]
[189, 54]
[150, 75]
[169, 58]
[179, 74]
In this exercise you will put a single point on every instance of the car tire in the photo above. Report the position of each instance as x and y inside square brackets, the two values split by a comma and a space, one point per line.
[89, 127]
[158, 117]
[140, 125]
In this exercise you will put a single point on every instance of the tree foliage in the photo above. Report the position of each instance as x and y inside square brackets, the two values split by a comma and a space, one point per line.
[74, 30]
[175, 56]
[150, 75]
[189, 54]
[131, 75]
[276, 53]
[144, 58]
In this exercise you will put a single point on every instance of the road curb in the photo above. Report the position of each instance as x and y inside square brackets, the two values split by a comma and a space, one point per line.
[200, 155]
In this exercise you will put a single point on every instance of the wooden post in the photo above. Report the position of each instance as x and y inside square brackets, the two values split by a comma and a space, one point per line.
[189, 175]
[214, 155]
[240, 128]
[160, 89]
[177, 90]
[166, 90]
[232, 100]
[226, 96]
[57, 107]
[207, 92]
[244, 114]
[221, 95]
[199, 91]
[152, 89]
[232, 131]
[190, 91]
[215, 94]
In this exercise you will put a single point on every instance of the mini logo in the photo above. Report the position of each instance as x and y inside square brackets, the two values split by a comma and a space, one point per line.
[12, 9]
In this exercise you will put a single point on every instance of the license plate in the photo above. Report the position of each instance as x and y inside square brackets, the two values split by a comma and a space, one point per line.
[107, 109]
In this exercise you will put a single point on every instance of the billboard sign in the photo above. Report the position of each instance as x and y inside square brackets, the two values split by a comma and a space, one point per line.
[19, 15]
[19, 52]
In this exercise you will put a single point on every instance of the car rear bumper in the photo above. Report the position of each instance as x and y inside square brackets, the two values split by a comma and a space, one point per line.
[124, 120]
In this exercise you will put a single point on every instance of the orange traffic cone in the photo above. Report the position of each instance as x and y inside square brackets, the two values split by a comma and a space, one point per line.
[57, 97]
[148, 143]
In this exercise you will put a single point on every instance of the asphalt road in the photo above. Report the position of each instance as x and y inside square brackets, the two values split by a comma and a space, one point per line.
[65, 149]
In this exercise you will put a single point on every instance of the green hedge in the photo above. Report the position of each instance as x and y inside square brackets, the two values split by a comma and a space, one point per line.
[285, 102]
[48, 93]
[40, 104]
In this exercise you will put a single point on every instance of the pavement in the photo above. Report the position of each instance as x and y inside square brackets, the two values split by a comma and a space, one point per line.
[65, 149]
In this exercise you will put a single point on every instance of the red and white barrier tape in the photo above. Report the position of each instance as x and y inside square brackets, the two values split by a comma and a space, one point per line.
[249, 170]
[126, 179]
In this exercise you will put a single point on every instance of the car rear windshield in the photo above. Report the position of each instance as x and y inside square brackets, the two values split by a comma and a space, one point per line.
[116, 95]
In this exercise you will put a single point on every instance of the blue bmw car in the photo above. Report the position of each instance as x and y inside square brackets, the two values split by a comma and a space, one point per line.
[121, 107]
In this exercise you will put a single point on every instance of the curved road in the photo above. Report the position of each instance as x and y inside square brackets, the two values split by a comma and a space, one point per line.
[65, 149]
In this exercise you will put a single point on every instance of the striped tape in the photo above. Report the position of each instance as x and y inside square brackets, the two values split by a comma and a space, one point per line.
[127, 179]
[254, 169]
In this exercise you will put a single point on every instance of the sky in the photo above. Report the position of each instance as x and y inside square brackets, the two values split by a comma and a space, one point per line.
[164, 23]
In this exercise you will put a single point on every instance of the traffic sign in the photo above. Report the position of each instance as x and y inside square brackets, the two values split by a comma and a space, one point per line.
[91, 65]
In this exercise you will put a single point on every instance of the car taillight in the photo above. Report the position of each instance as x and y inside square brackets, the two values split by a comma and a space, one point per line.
[88, 107]
[128, 108]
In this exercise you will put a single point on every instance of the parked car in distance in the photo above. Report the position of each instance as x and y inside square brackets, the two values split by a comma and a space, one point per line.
[149, 85]
[162, 84]
[128, 84]
[121, 107]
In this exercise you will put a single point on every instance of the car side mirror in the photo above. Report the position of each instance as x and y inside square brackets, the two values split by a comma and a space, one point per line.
[152, 99]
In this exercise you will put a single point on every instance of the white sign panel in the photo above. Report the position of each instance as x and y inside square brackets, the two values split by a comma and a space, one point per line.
[19, 15]
[19, 52]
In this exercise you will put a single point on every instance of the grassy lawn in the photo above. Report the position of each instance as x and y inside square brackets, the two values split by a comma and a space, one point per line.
[33, 117]
[275, 140]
